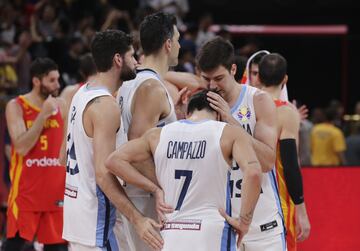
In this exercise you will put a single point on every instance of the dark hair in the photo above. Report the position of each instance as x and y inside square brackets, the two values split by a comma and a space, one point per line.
[199, 101]
[216, 52]
[155, 29]
[40, 67]
[256, 60]
[106, 44]
[330, 114]
[87, 66]
[272, 69]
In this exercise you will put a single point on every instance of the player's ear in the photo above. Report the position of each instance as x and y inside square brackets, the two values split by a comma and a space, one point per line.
[233, 69]
[118, 60]
[284, 82]
[167, 45]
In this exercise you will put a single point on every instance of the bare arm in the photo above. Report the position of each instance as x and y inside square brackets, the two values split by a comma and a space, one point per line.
[149, 105]
[265, 132]
[242, 152]
[64, 109]
[184, 79]
[25, 139]
[138, 150]
[99, 113]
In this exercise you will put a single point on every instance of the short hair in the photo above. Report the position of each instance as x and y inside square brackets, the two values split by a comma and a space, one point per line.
[256, 60]
[155, 29]
[199, 101]
[330, 114]
[272, 69]
[106, 44]
[40, 67]
[87, 65]
[215, 52]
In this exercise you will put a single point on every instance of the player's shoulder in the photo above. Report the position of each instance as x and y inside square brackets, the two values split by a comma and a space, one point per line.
[151, 89]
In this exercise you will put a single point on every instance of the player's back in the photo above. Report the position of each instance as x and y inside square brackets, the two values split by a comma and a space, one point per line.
[194, 175]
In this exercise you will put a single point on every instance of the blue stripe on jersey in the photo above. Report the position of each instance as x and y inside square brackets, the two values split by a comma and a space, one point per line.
[283, 241]
[106, 218]
[185, 121]
[228, 236]
[239, 100]
[149, 71]
[276, 195]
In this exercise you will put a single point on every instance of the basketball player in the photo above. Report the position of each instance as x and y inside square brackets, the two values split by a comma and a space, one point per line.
[35, 122]
[145, 101]
[272, 76]
[91, 192]
[255, 111]
[193, 158]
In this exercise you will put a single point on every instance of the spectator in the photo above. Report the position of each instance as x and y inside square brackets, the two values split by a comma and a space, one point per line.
[328, 142]
[352, 153]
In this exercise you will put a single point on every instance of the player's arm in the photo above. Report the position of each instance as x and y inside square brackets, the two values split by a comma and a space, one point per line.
[265, 132]
[25, 139]
[289, 121]
[104, 115]
[64, 110]
[243, 153]
[184, 79]
[149, 104]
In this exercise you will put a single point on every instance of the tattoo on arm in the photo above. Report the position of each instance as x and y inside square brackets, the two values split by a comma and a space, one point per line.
[95, 101]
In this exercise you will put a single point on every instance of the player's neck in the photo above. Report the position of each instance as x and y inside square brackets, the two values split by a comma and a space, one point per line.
[157, 63]
[110, 80]
[232, 95]
[35, 98]
[274, 91]
[197, 116]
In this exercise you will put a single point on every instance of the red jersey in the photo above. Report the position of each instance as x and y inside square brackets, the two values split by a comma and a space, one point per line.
[287, 204]
[38, 179]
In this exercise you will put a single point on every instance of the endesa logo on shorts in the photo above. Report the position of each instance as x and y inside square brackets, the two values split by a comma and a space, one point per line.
[43, 162]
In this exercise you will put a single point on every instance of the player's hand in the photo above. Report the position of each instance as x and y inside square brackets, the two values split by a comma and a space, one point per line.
[220, 106]
[302, 224]
[161, 207]
[302, 110]
[180, 104]
[240, 228]
[146, 228]
[50, 106]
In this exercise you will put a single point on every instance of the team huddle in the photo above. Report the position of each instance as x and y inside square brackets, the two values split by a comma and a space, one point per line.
[147, 169]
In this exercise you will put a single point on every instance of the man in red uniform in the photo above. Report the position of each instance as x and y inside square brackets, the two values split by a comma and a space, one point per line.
[273, 77]
[35, 122]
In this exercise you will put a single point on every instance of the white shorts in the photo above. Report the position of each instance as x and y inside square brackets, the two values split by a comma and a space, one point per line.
[274, 243]
[198, 236]
[125, 232]
[112, 244]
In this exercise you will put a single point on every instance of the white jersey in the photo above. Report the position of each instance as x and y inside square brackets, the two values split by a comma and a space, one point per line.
[194, 176]
[125, 99]
[267, 219]
[89, 216]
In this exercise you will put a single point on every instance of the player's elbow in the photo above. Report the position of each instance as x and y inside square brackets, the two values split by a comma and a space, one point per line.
[111, 163]
[254, 175]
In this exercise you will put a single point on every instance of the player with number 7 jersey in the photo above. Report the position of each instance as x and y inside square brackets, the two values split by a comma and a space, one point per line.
[192, 160]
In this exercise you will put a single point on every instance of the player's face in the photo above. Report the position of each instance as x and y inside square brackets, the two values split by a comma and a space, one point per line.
[128, 70]
[49, 84]
[220, 78]
[175, 47]
[254, 76]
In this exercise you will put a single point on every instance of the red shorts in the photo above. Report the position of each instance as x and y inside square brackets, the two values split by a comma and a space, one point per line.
[46, 226]
[291, 241]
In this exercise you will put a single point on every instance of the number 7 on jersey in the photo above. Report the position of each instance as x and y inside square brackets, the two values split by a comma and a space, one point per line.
[188, 176]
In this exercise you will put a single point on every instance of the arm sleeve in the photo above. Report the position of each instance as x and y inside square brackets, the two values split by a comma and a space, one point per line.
[292, 174]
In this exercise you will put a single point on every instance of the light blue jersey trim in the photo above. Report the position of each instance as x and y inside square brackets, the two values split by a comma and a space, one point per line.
[190, 122]
[239, 100]
[228, 236]
[106, 219]
[283, 241]
[276, 195]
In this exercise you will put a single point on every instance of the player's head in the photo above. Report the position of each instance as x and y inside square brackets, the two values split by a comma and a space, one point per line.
[45, 77]
[254, 69]
[199, 102]
[113, 48]
[158, 33]
[215, 60]
[272, 70]
[87, 67]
